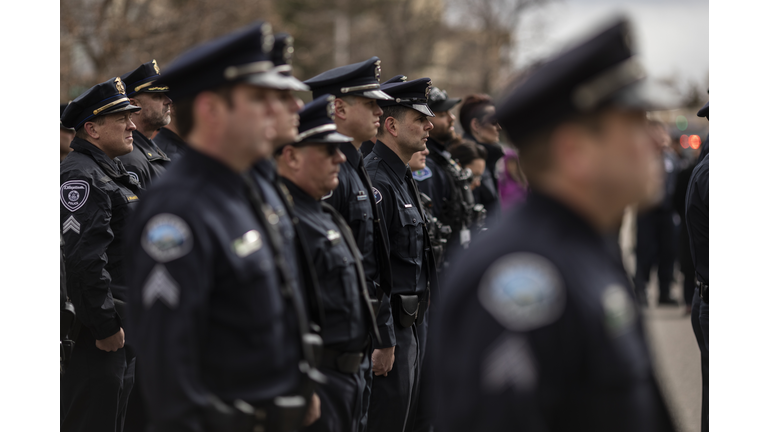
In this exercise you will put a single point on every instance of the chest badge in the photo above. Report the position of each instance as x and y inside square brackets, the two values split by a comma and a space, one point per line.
[618, 309]
[249, 243]
[333, 236]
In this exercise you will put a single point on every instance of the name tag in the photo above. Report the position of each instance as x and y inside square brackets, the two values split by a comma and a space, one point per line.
[362, 196]
[408, 205]
[249, 243]
[333, 236]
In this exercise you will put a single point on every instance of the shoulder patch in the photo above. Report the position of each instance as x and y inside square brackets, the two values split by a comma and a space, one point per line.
[422, 174]
[134, 176]
[619, 310]
[377, 195]
[522, 291]
[74, 194]
[166, 237]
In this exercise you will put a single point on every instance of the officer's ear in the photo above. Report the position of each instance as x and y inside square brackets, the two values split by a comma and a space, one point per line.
[474, 124]
[391, 124]
[135, 102]
[90, 129]
[572, 151]
[340, 107]
[291, 158]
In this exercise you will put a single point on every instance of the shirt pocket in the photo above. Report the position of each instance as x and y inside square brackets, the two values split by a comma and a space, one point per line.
[409, 237]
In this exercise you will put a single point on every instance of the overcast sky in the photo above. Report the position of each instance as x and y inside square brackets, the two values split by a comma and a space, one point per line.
[672, 36]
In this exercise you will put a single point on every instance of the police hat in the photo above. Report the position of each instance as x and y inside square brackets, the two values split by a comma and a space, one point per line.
[102, 99]
[61, 112]
[594, 74]
[359, 79]
[411, 94]
[240, 56]
[704, 111]
[142, 79]
[439, 101]
[281, 56]
[316, 122]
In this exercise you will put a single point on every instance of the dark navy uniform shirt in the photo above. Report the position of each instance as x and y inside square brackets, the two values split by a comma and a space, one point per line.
[207, 312]
[402, 222]
[353, 201]
[697, 218]
[146, 162]
[97, 198]
[171, 144]
[538, 331]
[346, 328]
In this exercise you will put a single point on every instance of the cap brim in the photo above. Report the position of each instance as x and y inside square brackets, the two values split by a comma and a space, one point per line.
[276, 80]
[61, 126]
[704, 111]
[422, 108]
[375, 94]
[445, 105]
[333, 137]
[128, 107]
[647, 95]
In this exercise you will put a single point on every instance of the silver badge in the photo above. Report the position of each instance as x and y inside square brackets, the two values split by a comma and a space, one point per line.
[249, 243]
[331, 108]
[378, 70]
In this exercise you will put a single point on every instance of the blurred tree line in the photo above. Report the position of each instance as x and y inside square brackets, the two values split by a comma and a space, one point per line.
[105, 38]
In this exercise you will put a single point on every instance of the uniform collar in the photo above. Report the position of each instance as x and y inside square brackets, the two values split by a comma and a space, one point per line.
[390, 158]
[300, 198]
[437, 149]
[147, 146]
[112, 167]
[353, 155]
[171, 135]
[266, 168]
[213, 170]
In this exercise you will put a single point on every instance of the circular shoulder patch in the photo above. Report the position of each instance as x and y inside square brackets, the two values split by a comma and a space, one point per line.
[377, 195]
[422, 174]
[522, 291]
[166, 237]
[74, 194]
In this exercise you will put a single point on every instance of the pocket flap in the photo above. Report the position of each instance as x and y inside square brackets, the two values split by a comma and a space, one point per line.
[410, 304]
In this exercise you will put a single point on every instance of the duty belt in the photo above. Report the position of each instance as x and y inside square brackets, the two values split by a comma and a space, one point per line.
[344, 362]
[703, 290]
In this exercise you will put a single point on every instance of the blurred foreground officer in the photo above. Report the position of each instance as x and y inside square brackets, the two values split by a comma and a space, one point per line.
[146, 161]
[220, 328]
[310, 169]
[550, 338]
[697, 220]
[66, 135]
[356, 115]
[97, 198]
[403, 131]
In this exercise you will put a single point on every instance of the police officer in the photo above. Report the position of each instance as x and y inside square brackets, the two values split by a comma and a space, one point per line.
[356, 115]
[97, 198]
[550, 337]
[65, 136]
[403, 130]
[438, 234]
[309, 168]
[146, 162]
[169, 141]
[697, 221]
[442, 179]
[217, 321]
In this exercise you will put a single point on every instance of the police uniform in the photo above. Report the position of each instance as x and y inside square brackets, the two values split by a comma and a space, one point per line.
[216, 319]
[354, 199]
[537, 329]
[97, 198]
[170, 143]
[146, 162]
[697, 221]
[393, 398]
[446, 183]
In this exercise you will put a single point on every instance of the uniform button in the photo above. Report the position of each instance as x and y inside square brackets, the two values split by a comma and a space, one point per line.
[414, 220]
[365, 214]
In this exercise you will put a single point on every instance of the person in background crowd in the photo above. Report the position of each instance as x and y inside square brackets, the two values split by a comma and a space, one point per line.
[513, 186]
[66, 135]
[470, 156]
[476, 118]
[658, 227]
[98, 197]
[147, 162]
[688, 163]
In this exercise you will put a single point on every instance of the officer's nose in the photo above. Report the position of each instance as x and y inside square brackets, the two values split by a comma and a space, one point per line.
[430, 126]
[378, 111]
[131, 125]
[339, 157]
[296, 104]
[167, 100]
[453, 117]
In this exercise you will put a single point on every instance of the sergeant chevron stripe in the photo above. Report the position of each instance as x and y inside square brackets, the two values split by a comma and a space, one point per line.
[71, 224]
[160, 285]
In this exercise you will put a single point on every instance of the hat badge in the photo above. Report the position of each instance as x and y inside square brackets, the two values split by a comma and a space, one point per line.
[157, 69]
[119, 85]
[268, 39]
[429, 88]
[288, 50]
[330, 109]
[378, 70]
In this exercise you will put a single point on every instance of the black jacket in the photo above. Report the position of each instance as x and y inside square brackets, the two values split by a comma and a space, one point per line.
[171, 144]
[97, 198]
[697, 218]
[146, 162]
[549, 336]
